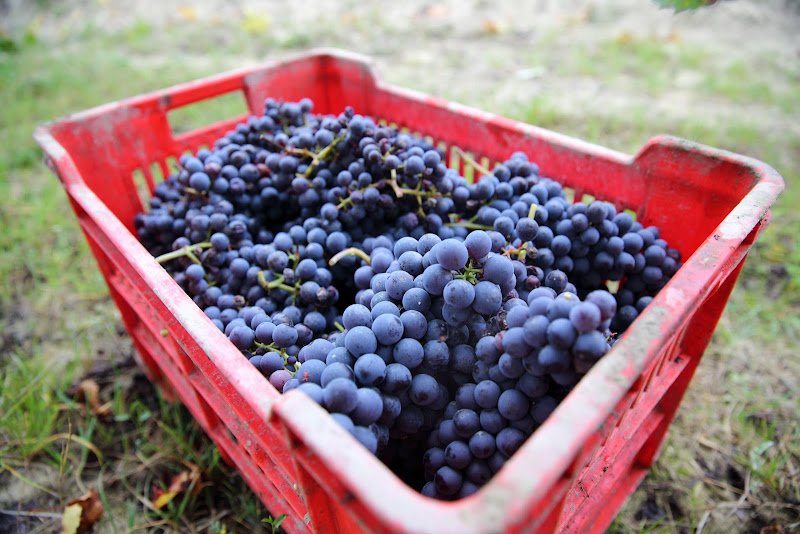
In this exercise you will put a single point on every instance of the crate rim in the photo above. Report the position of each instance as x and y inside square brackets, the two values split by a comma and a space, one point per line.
[589, 402]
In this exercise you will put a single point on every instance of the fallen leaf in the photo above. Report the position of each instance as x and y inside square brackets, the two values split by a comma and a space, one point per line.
[674, 36]
[187, 13]
[88, 390]
[71, 519]
[435, 11]
[255, 23]
[163, 499]
[180, 483]
[624, 38]
[491, 26]
[91, 510]
[578, 19]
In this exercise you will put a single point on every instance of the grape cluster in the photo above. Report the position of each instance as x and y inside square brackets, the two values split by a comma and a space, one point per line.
[439, 321]
[520, 375]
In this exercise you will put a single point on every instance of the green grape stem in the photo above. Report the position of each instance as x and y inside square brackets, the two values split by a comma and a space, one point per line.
[471, 162]
[470, 272]
[277, 283]
[323, 154]
[470, 225]
[398, 192]
[184, 251]
[351, 251]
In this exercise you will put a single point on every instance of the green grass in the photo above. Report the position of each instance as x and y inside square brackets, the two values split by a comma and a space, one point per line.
[55, 314]
[745, 413]
[30, 413]
[55, 311]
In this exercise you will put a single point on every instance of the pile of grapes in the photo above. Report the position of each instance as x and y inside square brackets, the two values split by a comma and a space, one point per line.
[439, 321]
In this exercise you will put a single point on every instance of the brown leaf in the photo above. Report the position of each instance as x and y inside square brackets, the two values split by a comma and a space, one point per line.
[91, 509]
[491, 26]
[624, 38]
[180, 483]
[435, 11]
[88, 390]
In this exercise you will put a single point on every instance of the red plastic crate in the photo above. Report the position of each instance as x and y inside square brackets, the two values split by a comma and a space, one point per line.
[577, 469]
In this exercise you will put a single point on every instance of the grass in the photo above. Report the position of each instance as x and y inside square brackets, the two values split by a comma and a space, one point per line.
[55, 296]
[755, 442]
[758, 442]
[734, 436]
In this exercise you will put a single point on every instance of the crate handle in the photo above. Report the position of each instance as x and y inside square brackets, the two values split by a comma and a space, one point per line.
[182, 120]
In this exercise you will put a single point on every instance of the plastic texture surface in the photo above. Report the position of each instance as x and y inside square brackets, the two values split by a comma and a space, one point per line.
[577, 469]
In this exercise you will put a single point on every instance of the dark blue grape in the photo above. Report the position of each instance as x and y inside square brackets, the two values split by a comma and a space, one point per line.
[360, 340]
[414, 324]
[478, 244]
[398, 378]
[488, 298]
[457, 455]
[487, 394]
[561, 334]
[509, 440]
[452, 254]
[340, 395]
[553, 360]
[336, 370]
[605, 301]
[242, 337]
[369, 407]
[312, 390]
[514, 342]
[370, 369]
[357, 315]
[585, 316]
[284, 335]
[459, 293]
[482, 444]
[448, 481]
[387, 328]
[424, 389]
[512, 404]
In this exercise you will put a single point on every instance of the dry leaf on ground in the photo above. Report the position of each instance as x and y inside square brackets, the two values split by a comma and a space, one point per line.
[82, 513]
[180, 483]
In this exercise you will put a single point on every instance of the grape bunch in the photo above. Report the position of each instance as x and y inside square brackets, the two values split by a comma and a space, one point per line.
[438, 321]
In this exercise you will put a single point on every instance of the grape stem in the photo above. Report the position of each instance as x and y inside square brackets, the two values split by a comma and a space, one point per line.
[469, 273]
[393, 182]
[345, 202]
[277, 283]
[532, 211]
[521, 252]
[351, 251]
[184, 251]
[469, 160]
[470, 225]
[323, 154]
[339, 327]
[417, 193]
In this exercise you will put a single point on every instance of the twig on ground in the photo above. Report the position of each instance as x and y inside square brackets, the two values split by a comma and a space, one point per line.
[745, 493]
[32, 513]
[703, 521]
[721, 485]
[711, 445]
